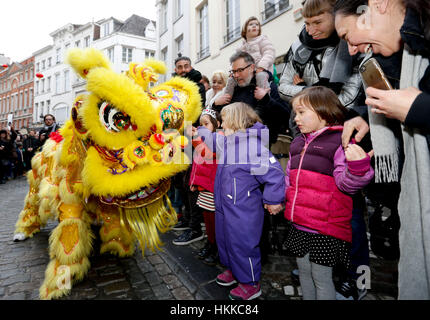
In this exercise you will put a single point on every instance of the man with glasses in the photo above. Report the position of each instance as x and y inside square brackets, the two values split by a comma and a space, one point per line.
[49, 127]
[266, 102]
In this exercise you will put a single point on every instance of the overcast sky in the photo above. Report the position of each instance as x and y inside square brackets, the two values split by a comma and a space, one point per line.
[25, 25]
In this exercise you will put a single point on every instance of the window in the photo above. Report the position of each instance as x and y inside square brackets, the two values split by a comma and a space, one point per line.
[149, 54]
[87, 41]
[178, 8]
[57, 83]
[127, 55]
[273, 8]
[203, 29]
[66, 80]
[48, 84]
[232, 22]
[25, 98]
[106, 29]
[49, 61]
[42, 85]
[78, 44]
[43, 64]
[164, 54]
[37, 87]
[37, 67]
[30, 98]
[58, 55]
[110, 54]
[180, 44]
[163, 17]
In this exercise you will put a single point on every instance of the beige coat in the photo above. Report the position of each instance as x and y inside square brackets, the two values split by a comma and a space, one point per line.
[262, 50]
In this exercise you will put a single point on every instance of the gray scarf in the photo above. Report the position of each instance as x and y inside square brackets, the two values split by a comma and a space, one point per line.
[385, 144]
[414, 201]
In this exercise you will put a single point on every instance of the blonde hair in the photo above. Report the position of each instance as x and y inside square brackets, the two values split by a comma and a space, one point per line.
[239, 116]
[221, 74]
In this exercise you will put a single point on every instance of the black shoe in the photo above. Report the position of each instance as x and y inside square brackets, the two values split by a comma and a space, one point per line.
[181, 226]
[189, 236]
[205, 251]
[348, 291]
[295, 277]
[212, 259]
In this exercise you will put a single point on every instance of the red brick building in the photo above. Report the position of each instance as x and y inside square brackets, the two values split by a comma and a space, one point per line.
[16, 94]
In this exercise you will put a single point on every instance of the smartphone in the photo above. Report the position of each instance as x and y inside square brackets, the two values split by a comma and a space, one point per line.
[372, 75]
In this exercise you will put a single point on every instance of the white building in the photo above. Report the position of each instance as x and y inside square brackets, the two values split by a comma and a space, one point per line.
[173, 31]
[42, 86]
[122, 42]
[213, 28]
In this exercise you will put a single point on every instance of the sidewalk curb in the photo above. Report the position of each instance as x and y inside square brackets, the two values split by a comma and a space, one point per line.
[197, 277]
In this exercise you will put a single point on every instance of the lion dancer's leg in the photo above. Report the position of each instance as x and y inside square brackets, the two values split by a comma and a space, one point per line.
[70, 246]
[116, 237]
[29, 221]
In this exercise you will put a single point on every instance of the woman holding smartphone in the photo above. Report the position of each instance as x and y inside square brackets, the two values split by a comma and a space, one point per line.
[398, 27]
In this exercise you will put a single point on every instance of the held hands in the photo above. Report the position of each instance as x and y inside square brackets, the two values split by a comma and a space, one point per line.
[273, 208]
[393, 104]
[354, 152]
[193, 188]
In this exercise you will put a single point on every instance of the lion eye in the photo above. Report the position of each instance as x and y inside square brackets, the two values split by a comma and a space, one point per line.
[112, 118]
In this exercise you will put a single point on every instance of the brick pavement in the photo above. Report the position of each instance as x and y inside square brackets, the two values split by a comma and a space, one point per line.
[172, 274]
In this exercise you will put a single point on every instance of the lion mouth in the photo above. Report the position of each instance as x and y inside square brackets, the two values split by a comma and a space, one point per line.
[139, 198]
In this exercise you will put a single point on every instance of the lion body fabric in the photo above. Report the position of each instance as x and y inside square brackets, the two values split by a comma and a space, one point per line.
[109, 164]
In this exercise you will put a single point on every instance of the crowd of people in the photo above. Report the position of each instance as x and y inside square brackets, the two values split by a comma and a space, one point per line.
[17, 148]
[352, 145]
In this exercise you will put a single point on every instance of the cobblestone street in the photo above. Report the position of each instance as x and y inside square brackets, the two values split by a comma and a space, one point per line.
[172, 274]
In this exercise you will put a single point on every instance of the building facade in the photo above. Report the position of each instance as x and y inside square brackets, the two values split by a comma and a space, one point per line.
[213, 28]
[16, 94]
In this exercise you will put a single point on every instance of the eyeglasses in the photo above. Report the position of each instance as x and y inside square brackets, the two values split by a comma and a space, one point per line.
[239, 70]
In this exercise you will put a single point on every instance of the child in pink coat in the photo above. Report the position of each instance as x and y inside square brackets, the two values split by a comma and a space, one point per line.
[320, 178]
[202, 178]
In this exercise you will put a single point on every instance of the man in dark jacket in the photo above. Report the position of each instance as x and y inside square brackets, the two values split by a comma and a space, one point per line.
[191, 218]
[30, 146]
[184, 69]
[50, 126]
[266, 102]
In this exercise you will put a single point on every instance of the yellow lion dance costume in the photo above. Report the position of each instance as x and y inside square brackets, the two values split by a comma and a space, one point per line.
[111, 163]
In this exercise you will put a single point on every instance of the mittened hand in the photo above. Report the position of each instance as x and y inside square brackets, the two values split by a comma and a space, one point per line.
[273, 208]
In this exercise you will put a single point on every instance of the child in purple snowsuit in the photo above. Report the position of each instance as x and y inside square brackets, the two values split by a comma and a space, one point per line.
[248, 179]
